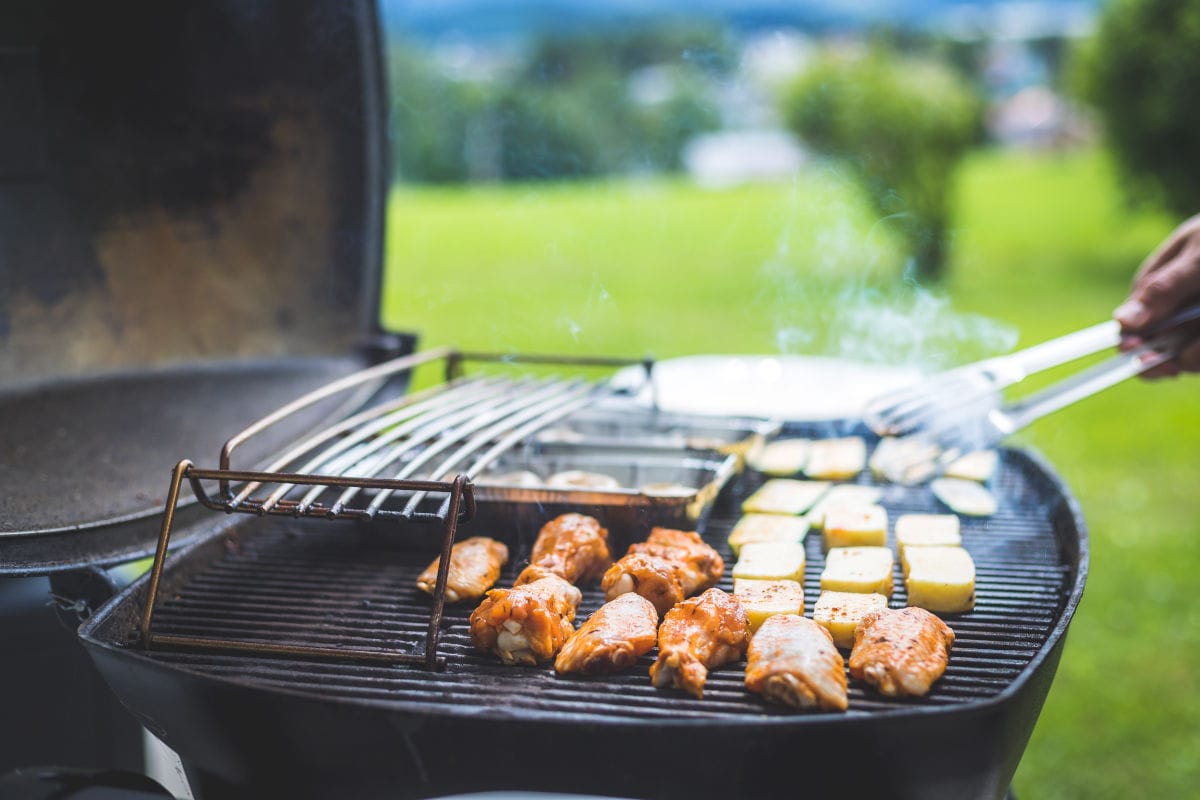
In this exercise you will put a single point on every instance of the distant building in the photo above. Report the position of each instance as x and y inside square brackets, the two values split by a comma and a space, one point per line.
[729, 158]
[1037, 117]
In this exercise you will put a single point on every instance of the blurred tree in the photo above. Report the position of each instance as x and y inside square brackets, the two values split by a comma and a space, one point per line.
[563, 58]
[577, 129]
[430, 115]
[901, 125]
[662, 128]
[1141, 70]
[579, 105]
[573, 109]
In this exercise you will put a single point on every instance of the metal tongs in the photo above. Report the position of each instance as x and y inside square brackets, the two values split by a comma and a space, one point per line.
[959, 411]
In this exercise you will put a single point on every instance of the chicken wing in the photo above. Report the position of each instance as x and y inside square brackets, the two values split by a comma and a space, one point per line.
[572, 546]
[901, 651]
[699, 634]
[618, 634]
[792, 660]
[667, 567]
[526, 624]
[651, 577]
[699, 566]
[474, 568]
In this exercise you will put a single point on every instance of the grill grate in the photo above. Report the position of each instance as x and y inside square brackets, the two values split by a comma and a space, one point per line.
[298, 579]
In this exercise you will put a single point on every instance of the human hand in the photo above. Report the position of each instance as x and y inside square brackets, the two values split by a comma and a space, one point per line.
[1167, 280]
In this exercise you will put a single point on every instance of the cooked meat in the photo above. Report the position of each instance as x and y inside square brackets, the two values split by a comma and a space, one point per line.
[792, 660]
[699, 634]
[618, 634]
[901, 651]
[700, 566]
[651, 577]
[572, 546]
[474, 568]
[526, 624]
[667, 567]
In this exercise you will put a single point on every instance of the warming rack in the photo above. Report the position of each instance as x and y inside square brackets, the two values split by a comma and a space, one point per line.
[434, 442]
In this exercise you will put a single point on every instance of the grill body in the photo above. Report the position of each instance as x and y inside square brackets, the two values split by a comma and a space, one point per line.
[252, 726]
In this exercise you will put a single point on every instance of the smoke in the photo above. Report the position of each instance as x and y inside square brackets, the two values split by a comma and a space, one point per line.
[599, 305]
[836, 291]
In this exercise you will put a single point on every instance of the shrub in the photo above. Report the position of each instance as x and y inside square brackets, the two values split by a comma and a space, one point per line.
[1141, 71]
[901, 125]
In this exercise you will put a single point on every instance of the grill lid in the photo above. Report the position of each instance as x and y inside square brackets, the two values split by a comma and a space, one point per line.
[186, 191]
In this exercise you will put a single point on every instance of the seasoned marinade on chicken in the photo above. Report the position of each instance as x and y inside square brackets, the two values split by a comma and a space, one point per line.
[618, 634]
[666, 568]
[902, 651]
[699, 565]
[651, 577]
[699, 634]
[572, 546]
[793, 661]
[475, 565]
[526, 624]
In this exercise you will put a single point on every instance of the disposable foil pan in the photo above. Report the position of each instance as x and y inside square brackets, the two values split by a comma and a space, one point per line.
[668, 490]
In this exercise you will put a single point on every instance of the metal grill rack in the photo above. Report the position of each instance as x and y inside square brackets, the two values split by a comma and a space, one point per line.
[381, 452]
[274, 587]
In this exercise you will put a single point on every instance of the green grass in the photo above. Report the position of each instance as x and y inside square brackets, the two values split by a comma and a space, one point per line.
[1042, 246]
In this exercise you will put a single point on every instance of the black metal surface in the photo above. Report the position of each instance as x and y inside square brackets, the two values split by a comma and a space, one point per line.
[191, 196]
[87, 461]
[187, 181]
[65, 783]
[240, 720]
[56, 707]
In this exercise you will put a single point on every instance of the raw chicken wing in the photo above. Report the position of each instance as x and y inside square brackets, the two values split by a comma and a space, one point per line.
[474, 568]
[526, 624]
[572, 546]
[792, 660]
[699, 634]
[901, 651]
[617, 635]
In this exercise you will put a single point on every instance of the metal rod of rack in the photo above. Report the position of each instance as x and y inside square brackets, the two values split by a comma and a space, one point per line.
[551, 392]
[460, 507]
[357, 428]
[440, 435]
[354, 448]
[510, 431]
[478, 417]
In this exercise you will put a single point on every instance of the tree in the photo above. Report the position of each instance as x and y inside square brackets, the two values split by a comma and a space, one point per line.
[429, 120]
[901, 125]
[1141, 71]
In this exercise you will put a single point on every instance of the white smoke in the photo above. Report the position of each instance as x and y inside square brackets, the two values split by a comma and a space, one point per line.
[835, 291]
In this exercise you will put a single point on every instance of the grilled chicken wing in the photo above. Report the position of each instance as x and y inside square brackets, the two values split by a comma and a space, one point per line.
[526, 624]
[651, 577]
[572, 546]
[474, 568]
[901, 651]
[699, 634]
[618, 634]
[666, 568]
[792, 660]
[699, 565]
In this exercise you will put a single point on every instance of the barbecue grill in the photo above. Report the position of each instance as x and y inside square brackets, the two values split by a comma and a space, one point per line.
[282, 649]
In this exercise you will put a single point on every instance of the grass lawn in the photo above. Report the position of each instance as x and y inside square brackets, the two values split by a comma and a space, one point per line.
[1043, 246]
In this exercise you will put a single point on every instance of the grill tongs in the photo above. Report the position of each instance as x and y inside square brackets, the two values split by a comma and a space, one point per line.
[961, 410]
